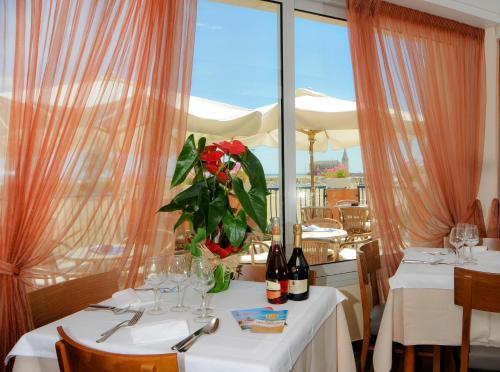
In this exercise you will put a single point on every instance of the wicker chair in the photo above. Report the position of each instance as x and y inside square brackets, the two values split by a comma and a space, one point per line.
[257, 247]
[324, 222]
[346, 203]
[309, 213]
[355, 221]
[316, 251]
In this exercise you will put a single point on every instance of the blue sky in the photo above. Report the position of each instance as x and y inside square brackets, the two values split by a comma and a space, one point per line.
[236, 61]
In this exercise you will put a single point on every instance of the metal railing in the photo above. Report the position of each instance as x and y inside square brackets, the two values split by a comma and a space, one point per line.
[304, 198]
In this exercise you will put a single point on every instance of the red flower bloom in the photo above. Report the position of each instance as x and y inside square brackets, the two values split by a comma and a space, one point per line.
[217, 249]
[211, 156]
[234, 147]
[213, 167]
[222, 177]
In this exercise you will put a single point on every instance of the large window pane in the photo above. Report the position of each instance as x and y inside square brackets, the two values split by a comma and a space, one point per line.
[328, 166]
[236, 81]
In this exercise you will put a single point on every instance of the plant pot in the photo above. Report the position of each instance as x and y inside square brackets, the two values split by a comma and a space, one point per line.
[337, 183]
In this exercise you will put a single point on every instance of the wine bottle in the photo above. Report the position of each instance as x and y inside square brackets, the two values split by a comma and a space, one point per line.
[277, 269]
[298, 284]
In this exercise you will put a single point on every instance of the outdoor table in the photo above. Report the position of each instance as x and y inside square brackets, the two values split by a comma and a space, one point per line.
[316, 337]
[420, 308]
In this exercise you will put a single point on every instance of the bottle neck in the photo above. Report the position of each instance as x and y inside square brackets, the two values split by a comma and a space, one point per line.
[297, 241]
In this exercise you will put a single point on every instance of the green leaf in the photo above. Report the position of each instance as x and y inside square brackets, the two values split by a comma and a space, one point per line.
[201, 145]
[235, 227]
[201, 208]
[188, 196]
[254, 203]
[198, 238]
[222, 280]
[185, 216]
[185, 162]
[216, 209]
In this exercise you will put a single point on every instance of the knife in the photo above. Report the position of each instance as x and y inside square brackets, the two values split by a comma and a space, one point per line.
[181, 343]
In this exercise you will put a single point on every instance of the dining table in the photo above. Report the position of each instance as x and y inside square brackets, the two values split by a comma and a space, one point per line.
[420, 308]
[315, 338]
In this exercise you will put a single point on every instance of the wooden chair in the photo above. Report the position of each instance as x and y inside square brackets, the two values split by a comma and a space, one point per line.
[257, 273]
[74, 357]
[368, 260]
[324, 222]
[257, 247]
[57, 301]
[479, 291]
[316, 251]
[309, 213]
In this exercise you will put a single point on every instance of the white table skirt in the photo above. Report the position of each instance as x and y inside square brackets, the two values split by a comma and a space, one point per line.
[326, 347]
[428, 317]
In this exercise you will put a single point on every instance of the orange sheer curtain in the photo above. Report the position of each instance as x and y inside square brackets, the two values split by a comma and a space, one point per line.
[419, 83]
[93, 109]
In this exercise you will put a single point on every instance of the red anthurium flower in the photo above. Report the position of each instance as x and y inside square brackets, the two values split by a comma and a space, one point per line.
[217, 249]
[211, 156]
[213, 167]
[234, 147]
[222, 177]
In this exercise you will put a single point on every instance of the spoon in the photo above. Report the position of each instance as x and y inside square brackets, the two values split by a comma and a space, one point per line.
[185, 344]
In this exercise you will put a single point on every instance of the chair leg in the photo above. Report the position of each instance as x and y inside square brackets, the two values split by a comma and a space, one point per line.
[409, 358]
[436, 358]
[364, 352]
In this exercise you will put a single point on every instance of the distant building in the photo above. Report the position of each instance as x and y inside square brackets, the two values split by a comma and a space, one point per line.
[345, 160]
[322, 165]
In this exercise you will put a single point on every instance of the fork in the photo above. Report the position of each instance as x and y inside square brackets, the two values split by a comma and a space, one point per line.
[125, 323]
[115, 310]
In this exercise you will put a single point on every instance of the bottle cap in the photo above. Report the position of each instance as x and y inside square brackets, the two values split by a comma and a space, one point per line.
[297, 229]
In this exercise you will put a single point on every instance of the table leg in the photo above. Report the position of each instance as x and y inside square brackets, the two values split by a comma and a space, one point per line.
[409, 365]
[436, 358]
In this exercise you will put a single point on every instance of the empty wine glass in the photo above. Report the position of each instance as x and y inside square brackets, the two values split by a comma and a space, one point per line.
[203, 280]
[155, 270]
[456, 239]
[178, 272]
[471, 239]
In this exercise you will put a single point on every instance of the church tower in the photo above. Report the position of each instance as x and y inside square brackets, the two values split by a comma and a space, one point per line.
[345, 160]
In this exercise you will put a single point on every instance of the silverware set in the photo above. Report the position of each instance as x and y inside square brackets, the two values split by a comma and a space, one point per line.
[186, 343]
[125, 323]
[436, 262]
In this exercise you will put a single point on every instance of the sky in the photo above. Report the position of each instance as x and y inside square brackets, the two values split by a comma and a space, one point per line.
[236, 61]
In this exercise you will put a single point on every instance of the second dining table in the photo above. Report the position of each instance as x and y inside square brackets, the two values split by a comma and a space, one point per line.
[420, 308]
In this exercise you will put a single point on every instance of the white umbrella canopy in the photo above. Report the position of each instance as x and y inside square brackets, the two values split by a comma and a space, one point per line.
[334, 121]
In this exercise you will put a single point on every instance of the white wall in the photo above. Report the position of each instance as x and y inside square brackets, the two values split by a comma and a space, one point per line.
[490, 178]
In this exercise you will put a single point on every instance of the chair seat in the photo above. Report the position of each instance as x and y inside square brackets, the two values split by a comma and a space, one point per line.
[375, 318]
[484, 357]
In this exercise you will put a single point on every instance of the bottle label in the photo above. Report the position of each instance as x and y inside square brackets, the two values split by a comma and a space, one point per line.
[276, 238]
[297, 286]
[273, 286]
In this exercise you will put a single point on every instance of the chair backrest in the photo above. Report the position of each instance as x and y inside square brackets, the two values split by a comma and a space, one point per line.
[309, 213]
[324, 222]
[368, 266]
[474, 290]
[316, 250]
[257, 247]
[346, 203]
[74, 357]
[257, 273]
[355, 219]
[493, 244]
[57, 301]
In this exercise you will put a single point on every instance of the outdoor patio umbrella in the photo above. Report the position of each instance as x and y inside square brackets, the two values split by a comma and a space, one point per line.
[321, 121]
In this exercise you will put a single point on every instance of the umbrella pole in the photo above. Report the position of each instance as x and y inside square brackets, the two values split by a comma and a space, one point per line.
[312, 138]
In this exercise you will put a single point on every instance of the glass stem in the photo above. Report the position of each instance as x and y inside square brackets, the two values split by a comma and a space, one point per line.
[203, 305]
[179, 295]
[157, 299]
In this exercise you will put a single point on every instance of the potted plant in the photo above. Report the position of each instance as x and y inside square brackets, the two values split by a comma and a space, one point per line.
[218, 203]
[337, 177]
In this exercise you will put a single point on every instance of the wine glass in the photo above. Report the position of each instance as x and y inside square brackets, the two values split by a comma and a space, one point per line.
[471, 239]
[155, 269]
[203, 280]
[456, 239]
[178, 272]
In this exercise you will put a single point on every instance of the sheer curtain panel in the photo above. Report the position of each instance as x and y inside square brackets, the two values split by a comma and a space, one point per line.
[420, 94]
[93, 107]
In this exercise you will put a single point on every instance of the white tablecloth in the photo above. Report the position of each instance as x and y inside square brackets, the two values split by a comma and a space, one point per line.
[316, 338]
[420, 308]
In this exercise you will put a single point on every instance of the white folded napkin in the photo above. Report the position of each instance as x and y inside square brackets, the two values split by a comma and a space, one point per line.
[162, 330]
[125, 298]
